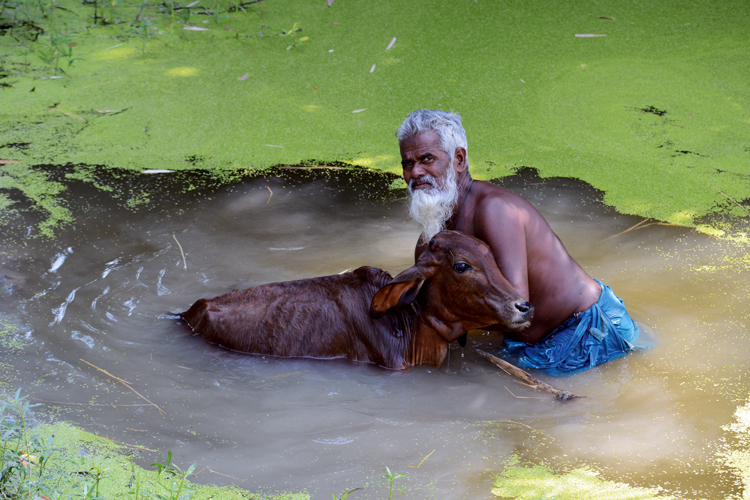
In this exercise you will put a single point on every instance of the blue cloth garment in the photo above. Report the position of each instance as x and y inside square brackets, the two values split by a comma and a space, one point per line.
[602, 332]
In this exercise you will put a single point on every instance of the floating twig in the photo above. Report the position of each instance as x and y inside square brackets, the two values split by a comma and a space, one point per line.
[209, 469]
[290, 374]
[731, 199]
[126, 444]
[644, 221]
[138, 16]
[269, 196]
[221, 474]
[184, 262]
[643, 224]
[425, 458]
[242, 5]
[82, 404]
[151, 356]
[126, 384]
[520, 397]
[527, 377]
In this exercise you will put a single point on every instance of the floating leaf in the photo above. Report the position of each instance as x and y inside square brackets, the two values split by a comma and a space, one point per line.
[606, 17]
[243, 77]
[391, 44]
[304, 39]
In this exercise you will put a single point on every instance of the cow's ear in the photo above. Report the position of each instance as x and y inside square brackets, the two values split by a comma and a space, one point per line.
[397, 293]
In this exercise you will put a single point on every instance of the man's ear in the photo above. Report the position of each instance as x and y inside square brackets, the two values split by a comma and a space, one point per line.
[460, 161]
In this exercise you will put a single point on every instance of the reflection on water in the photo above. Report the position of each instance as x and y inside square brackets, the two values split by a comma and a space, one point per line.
[103, 292]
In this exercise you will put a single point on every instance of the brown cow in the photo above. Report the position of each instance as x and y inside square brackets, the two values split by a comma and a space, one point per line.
[366, 315]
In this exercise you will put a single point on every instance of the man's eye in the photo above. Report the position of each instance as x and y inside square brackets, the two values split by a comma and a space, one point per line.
[461, 267]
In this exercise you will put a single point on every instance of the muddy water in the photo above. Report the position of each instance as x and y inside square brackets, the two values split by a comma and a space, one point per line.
[101, 293]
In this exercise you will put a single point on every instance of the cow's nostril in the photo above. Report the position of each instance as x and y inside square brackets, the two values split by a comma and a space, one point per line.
[524, 306]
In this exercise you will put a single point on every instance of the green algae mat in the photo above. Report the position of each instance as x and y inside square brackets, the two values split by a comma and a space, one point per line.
[646, 101]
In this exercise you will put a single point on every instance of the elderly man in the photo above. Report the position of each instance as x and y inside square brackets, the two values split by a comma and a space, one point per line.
[579, 322]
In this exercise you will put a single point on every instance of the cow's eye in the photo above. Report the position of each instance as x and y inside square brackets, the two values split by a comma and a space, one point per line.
[461, 267]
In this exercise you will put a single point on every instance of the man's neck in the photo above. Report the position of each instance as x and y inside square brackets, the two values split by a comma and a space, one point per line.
[464, 185]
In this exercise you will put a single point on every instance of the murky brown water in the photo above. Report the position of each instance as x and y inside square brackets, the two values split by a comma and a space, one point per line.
[102, 290]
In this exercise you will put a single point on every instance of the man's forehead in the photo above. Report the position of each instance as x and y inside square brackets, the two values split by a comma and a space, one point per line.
[421, 143]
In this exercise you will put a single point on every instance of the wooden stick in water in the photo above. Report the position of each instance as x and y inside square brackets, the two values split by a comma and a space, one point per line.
[126, 384]
[527, 377]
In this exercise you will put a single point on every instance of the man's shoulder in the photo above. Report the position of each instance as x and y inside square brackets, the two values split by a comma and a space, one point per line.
[497, 200]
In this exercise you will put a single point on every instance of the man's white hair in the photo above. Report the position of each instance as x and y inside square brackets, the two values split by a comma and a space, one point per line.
[445, 124]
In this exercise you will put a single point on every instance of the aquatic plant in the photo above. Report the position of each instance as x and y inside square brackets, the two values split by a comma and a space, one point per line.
[345, 495]
[670, 148]
[296, 41]
[177, 487]
[59, 462]
[27, 469]
[539, 482]
[58, 47]
[391, 477]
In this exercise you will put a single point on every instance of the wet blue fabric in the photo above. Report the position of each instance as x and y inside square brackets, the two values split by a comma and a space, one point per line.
[601, 333]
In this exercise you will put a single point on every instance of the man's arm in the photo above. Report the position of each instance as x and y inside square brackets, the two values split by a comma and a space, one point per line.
[501, 224]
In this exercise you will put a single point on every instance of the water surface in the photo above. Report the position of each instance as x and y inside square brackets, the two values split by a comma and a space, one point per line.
[102, 290]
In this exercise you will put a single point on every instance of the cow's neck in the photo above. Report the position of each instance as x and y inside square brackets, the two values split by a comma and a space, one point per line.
[427, 346]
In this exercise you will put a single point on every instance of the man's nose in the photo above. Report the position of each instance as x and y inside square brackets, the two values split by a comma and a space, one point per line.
[417, 170]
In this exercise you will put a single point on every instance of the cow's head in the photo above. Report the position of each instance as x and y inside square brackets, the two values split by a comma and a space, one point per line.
[458, 287]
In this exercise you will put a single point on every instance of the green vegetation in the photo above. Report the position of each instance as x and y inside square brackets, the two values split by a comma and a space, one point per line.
[391, 477]
[738, 457]
[539, 482]
[534, 482]
[59, 461]
[655, 113]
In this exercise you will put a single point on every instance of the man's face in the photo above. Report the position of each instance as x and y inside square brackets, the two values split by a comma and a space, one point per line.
[424, 163]
[431, 177]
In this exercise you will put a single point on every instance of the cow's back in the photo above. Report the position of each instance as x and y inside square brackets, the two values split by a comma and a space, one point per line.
[325, 317]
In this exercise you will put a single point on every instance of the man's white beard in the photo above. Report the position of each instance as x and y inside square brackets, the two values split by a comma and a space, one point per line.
[433, 207]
